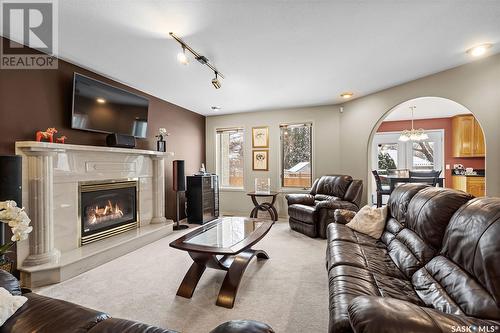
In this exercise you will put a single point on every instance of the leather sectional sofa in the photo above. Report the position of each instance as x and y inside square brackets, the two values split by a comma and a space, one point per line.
[42, 314]
[436, 267]
[311, 213]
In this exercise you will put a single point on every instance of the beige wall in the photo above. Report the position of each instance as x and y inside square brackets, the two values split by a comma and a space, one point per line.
[341, 140]
[475, 85]
[326, 148]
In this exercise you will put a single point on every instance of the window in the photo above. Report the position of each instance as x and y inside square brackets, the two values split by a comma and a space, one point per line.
[230, 162]
[387, 157]
[423, 156]
[296, 155]
[390, 155]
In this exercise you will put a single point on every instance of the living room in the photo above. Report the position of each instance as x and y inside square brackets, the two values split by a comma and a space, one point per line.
[184, 166]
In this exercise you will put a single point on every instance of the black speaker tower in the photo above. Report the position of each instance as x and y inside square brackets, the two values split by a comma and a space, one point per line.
[10, 184]
[179, 181]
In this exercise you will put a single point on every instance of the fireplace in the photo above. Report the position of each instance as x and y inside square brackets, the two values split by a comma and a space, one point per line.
[107, 209]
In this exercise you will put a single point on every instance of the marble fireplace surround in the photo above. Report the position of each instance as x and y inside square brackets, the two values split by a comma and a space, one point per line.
[51, 175]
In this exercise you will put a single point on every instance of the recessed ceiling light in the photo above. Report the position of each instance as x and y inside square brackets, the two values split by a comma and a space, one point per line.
[215, 108]
[479, 50]
[346, 95]
[100, 100]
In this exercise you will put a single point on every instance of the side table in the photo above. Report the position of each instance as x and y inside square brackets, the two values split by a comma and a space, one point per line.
[264, 206]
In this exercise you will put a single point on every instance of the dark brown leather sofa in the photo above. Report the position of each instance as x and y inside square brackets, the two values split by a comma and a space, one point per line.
[436, 267]
[311, 213]
[42, 314]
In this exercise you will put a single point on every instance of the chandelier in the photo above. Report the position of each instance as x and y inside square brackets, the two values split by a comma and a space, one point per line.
[413, 134]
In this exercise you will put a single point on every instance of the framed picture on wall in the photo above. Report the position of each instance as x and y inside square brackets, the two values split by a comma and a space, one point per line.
[260, 160]
[260, 137]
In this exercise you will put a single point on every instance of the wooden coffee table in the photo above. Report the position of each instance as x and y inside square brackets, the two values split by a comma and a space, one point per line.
[224, 244]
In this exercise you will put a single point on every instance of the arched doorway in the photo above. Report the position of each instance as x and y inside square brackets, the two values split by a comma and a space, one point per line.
[446, 137]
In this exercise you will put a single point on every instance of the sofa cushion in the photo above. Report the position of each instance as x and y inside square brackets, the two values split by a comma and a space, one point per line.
[341, 232]
[371, 258]
[368, 314]
[443, 285]
[392, 228]
[430, 211]
[9, 304]
[45, 314]
[400, 199]
[409, 252]
[302, 213]
[347, 282]
[426, 219]
[369, 221]
[465, 278]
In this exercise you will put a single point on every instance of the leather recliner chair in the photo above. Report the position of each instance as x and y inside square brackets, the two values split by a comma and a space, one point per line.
[434, 269]
[311, 213]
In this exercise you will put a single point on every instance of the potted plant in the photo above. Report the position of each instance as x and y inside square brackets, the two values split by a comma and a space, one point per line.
[18, 221]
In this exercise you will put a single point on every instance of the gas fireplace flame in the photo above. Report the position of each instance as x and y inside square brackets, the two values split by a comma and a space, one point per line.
[100, 214]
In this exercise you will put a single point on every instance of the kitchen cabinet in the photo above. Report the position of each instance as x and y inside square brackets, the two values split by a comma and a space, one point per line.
[478, 140]
[468, 137]
[474, 185]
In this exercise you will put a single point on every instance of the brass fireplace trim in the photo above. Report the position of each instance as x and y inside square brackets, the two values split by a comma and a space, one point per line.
[91, 186]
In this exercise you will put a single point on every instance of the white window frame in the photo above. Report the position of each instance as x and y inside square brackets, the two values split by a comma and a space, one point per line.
[405, 156]
[218, 157]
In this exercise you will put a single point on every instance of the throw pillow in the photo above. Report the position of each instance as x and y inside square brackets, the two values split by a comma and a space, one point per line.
[369, 221]
[9, 304]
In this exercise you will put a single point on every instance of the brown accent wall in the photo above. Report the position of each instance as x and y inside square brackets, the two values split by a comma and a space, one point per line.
[36, 99]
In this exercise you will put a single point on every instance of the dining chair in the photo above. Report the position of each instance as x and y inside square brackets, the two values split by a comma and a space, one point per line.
[425, 177]
[381, 189]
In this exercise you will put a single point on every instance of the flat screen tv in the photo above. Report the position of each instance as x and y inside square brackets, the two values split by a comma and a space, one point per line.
[100, 107]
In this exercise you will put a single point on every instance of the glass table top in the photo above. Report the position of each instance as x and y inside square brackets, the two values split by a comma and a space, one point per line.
[226, 233]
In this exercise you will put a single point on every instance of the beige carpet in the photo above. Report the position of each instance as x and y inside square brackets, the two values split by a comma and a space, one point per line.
[288, 291]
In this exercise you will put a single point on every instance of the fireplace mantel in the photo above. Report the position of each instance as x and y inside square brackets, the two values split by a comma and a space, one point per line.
[52, 173]
[59, 147]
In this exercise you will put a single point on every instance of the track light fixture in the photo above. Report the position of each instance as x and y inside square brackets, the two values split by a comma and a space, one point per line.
[183, 59]
[215, 82]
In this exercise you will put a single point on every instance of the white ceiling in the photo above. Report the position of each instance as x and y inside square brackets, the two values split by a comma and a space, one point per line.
[427, 108]
[275, 54]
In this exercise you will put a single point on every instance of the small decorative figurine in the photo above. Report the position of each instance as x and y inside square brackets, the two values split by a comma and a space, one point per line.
[61, 139]
[161, 143]
[46, 135]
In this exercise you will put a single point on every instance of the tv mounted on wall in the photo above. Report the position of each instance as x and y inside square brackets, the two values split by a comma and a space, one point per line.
[100, 107]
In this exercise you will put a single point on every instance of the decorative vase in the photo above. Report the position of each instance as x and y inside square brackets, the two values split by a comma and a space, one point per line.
[161, 145]
[262, 185]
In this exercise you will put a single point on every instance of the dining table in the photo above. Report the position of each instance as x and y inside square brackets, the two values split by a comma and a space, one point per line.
[395, 179]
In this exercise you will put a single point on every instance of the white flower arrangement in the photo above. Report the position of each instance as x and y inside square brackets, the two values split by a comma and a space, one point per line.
[162, 133]
[18, 221]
